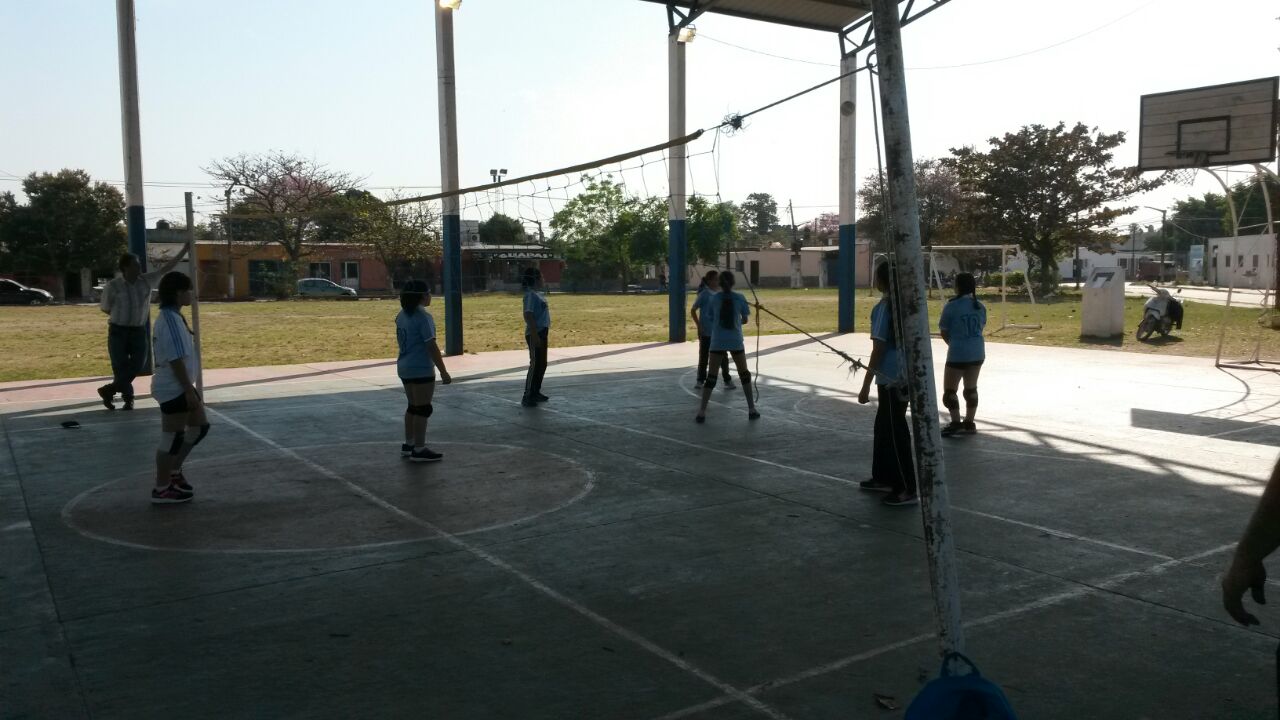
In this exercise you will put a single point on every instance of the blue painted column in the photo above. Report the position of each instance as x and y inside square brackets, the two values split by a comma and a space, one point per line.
[677, 240]
[451, 216]
[845, 274]
[846, 265]
[452, 282]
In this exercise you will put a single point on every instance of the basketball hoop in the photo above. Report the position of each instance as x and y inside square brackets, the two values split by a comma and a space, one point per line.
[1186, 175]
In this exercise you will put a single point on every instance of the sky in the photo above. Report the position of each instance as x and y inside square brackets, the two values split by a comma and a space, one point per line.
[547, 84]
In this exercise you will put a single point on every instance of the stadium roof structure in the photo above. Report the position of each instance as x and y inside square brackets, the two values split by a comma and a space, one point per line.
[829, 15]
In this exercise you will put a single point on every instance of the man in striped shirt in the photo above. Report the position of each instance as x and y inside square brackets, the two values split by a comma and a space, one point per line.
[126, 300]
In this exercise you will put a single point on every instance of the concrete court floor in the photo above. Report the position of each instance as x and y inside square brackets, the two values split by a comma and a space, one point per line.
[604, 557]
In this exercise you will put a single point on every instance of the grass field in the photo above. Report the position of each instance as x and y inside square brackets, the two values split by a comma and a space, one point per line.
[70, 341]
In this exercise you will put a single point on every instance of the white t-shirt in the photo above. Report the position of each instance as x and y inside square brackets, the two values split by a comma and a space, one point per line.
[170, 340]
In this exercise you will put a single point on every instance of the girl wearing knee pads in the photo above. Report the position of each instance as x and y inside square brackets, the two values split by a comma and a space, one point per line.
[419, 357]
[962, 322]
[183, 423]
[724, 314]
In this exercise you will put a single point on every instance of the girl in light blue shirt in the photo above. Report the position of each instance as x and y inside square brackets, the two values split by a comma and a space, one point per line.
[963, 319]
[725, 313]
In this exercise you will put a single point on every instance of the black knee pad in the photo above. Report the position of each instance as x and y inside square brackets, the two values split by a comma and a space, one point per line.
[710, 384]
[423, 411]
[745, 377]
[204, 430]
[949, 398]
[175, 444]
[971, 394]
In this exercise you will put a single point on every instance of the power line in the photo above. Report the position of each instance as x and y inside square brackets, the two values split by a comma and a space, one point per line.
[703, 36]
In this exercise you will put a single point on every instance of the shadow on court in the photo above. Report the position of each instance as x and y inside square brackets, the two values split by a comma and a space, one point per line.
[602, 556]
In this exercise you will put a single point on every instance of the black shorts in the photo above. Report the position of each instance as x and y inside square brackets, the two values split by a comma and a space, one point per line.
[175, 406]
[965, 365]
[418, 381]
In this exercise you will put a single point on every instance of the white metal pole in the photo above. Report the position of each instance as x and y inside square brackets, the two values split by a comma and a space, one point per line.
[1231, 276]
[452, 221]
[914, 310]
[1004, 270]
[194, 265]
[676, 238]
[846, 262]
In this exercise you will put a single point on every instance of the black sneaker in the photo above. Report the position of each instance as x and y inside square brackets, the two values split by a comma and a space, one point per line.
[526, 402]
[128, 404]
[406, 449]
[952, 428]
[179, 481]
[728, 385]
[106, 396]
[699, 419]
[753, 415]
[874, 485]
[425, 455]
[540, 398]
[170, 495]
[970, 428]
[698, 385]
[901, 499]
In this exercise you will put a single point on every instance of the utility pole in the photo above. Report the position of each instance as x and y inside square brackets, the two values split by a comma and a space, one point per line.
[1133, 251]
[226, 229]
[796, 278]
[193, 264]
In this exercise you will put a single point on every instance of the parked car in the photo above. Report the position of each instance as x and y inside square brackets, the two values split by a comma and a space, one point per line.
[320, 287]
[15, 293]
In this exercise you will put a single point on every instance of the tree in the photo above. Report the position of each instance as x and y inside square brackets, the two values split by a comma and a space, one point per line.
[941, 202]
[712, 229]
[1046, 189]
[1251, 205]
[825, 227]
[760, 213]
[281, 198]
[68, 223]
[583, 231]
[502, 230]
[399, 233]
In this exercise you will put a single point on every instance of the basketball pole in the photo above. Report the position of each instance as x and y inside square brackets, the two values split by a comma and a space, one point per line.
[914, 313]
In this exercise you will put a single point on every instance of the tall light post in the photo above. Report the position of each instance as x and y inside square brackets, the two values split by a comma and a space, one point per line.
[498, 174]
[1164, 236]
[450, 212]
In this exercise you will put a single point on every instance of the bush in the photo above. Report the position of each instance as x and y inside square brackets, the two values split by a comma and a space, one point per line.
[1014, 280]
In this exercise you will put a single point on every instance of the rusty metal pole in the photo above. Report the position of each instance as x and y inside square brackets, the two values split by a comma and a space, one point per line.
[913, 309]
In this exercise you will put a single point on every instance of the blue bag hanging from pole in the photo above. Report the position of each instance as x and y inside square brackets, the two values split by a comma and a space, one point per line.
[960, 697]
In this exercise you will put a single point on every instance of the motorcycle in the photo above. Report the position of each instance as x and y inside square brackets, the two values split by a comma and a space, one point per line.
[1162, 313]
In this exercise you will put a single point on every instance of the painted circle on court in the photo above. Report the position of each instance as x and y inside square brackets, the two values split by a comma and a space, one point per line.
[265, 502]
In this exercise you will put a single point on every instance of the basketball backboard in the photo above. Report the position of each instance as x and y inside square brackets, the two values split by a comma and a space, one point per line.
[1232, 124]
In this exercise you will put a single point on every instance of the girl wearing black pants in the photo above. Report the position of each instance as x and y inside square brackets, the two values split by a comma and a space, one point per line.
[892, 469]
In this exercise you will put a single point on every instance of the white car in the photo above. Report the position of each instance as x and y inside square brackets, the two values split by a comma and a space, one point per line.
[321, 287]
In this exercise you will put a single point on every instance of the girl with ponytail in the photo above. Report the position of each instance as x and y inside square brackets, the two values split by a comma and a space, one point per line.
[963, 319]
[725, 313]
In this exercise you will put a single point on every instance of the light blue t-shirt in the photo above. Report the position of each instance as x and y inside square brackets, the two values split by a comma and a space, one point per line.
[963, 324]
[536, 304]
[725, 338]
[700, 302]
[413, 331]
[882, 328]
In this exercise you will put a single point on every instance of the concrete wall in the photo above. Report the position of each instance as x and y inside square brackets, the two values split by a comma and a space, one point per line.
[1247, 262]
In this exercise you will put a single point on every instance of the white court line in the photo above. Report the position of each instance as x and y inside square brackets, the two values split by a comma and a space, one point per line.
[69, 520]
[549, 592]
[1044, 602]
[814, 473]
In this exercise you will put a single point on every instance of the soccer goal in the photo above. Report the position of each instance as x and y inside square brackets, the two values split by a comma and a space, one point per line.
[936, 279]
